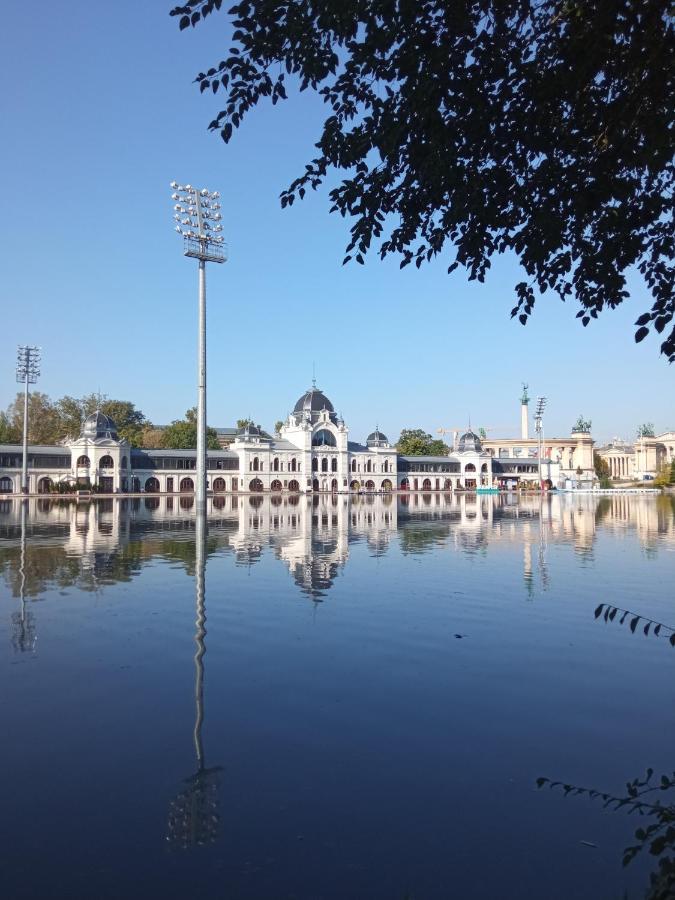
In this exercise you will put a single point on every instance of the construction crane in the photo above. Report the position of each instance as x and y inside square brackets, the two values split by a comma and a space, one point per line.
[453, 431]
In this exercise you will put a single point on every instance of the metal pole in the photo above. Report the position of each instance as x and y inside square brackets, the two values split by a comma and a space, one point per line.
[201, 394]
[24, 464]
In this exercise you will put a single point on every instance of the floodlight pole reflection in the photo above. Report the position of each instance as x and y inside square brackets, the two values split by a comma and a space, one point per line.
[27, 372]
[197, 216]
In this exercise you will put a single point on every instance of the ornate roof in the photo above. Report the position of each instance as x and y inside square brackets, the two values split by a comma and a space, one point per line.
[469, 441]
[312, 403]
[377, 439]
[98, 426]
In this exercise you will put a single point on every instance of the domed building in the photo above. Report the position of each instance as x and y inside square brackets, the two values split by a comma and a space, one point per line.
[312, 453]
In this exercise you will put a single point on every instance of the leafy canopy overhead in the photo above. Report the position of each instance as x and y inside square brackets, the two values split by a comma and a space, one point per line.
[542, 128]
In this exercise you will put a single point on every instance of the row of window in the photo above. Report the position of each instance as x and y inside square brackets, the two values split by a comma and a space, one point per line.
[37, 461]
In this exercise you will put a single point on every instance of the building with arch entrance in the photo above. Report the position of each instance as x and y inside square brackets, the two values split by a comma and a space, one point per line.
[312, 453]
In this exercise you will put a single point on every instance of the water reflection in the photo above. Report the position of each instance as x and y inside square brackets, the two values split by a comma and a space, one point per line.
[46, 544]
[193, 813]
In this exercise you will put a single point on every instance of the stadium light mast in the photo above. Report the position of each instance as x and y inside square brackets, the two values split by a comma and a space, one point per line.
[539, 428]
[197, 215]
[27, 372]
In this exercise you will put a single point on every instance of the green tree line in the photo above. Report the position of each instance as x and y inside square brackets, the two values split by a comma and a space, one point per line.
[54, 421]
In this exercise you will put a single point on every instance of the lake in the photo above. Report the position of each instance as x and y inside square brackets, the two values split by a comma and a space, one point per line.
[325, 697]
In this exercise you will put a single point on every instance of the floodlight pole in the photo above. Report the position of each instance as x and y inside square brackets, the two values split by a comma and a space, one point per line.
[199, 223]
[27, 371]
[201, 393]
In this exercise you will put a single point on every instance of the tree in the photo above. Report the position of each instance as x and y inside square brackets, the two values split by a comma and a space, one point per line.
[152, 438]
[44, 424]
[181, 434]
[602, 472]
[539, 128]
[129, 420]
[242, 423]
[672, 471]
[8, 433]
[416, 442]
[70, 415]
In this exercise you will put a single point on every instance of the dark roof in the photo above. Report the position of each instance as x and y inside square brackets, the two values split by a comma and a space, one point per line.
[314, 402]
[469, 441]
[376, 438]
[98, 425]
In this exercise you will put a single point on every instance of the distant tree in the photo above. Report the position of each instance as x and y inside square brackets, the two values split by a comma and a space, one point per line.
[602, 472]
[8, 433]
[71, 416]
[242, 423]
[672, 471]
[44, 424]
[129, 420]
[181, 434]
[534, 127]
[416, 442]
[152, 438]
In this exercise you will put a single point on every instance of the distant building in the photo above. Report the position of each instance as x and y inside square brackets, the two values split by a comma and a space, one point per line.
[641, 460]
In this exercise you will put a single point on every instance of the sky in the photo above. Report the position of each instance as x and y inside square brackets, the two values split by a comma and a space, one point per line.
[100, 113]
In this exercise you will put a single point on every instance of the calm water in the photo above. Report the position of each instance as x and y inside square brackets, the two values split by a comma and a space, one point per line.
[330, 699]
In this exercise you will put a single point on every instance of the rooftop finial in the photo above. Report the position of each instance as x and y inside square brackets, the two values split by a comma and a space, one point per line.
[314, 375]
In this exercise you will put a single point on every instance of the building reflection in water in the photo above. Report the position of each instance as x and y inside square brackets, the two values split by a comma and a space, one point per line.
[94, 544]
[193, 813]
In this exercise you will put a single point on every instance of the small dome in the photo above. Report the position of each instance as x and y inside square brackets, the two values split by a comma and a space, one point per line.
[377, 439]
[469, 441]
[98, 425]
[312, 403]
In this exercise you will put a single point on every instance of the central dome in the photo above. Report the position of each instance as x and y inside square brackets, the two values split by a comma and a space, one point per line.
[312, 403]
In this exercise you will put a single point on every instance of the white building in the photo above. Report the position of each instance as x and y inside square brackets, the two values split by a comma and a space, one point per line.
[313, 453]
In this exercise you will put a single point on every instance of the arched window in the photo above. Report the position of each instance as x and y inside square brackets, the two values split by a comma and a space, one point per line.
[106, 462]
[370, 485]
[123, 464]
[293, 485]
[324, 464]
[315, 485]
[151, 486]
[470, 468]
[324, 438]
[255, 485]
[334, 485]
[315, 465]
[293, 465]
[256, 464]
[426, 484]
[219, 485]
[186, 485]
[5, 485]
[484, 467]
[354, 485]
[405, 484]
[333, 464]
[369, 467]
[44, 485]
[275, 464]
[386, 485]
[276, 485]
[385, 467]
[353, 465]
[83, 462]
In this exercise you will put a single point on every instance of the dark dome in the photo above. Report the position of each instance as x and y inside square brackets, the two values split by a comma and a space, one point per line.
[377, 439]
[469, 441]
[312, 403]
[98, 425]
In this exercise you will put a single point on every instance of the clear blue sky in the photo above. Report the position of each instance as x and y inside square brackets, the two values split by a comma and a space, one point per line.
[99, 114]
